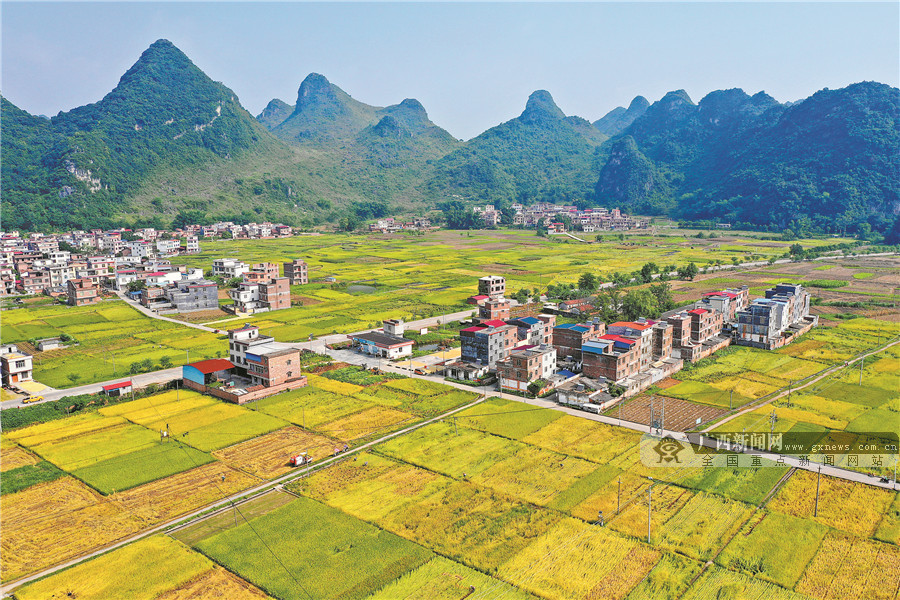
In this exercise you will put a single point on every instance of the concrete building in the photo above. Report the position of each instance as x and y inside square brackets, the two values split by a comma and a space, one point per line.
[229, 268]
[775, 320]
[383, 345]
[394, 327]
[494, 308]
[297, 272]
[493, 286]
[662, 341]
[275, 294]
[261, 272]
[15, 367]
[191, 245]
[34, 282]
[82, 292]
[486, 344]
[532, 330]
[611, 356]
[192, 295]
[641, 330]
[568, 338]
[705, 324]
[727, 302]
[271, 367]
[524, 365]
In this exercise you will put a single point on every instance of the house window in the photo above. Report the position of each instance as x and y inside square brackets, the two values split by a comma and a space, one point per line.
[20, 364]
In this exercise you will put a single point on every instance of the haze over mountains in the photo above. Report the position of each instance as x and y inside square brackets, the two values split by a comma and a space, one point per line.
[168, 142]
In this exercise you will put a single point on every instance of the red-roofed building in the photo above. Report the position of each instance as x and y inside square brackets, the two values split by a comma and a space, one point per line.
[494, 323]
[477, 300]
[117, 389]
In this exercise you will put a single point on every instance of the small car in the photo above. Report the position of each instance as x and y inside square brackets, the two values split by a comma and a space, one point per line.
[31, 399]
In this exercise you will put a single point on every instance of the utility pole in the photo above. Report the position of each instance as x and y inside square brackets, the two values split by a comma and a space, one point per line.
[772, 420]
[650, 424]
[731, 399]
[662, 419]
[455, 426]
[619, 499]
[861, 363]
[818, 478]
[649, 509]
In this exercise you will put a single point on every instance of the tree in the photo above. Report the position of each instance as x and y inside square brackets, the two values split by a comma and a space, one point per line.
[587, 282]
[147, 364]
[165, 362]
[647, 271]
[663, 294]
[688, 272]
[640, 303]
[137, 285]
[73, 377]
[536, 386]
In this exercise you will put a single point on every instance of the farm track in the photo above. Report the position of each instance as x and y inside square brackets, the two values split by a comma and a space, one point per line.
[228, 502]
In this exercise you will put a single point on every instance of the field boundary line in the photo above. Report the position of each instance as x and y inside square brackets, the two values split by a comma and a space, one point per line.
[188, 519]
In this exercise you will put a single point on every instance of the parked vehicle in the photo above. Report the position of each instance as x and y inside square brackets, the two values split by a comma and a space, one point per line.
[31, 399]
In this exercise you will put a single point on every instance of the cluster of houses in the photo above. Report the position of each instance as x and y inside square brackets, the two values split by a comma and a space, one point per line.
[585, 361]
[34, 263]
[392, 225]
[588, 220]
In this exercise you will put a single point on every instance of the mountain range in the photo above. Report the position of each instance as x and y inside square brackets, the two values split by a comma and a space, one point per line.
[169, 144]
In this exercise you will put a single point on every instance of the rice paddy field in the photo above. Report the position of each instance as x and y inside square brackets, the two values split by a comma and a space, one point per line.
[483, 507]
[111, 335]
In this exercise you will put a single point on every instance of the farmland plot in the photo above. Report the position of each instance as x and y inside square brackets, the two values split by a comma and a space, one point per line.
[667, 500]
[147, 464]
[366, 423]
[773, 547]
[309, 407]
[852, 568]
[473, 525]
[13, 456]
[442, 579]
[267, 456]
[846, 505]
[717, 584]
[52, 522]
[534, 474]
[507, 418]
[668, 580]
[371, 486]
[596, 442]
[339, 556]
[178, 494]
[889, 527]
[607, 566]
[155, 568]
[703, 525]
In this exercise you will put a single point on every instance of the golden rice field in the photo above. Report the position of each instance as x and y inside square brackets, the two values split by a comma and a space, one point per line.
[366, 423]
[155, 568]
[596, 442]
[852, 568]
[267, 456]
[719, 584]
[849, 506]
[52, 522]
[577, 560]
[702, 526]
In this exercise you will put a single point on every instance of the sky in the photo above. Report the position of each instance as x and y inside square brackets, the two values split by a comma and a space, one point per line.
[472, 65]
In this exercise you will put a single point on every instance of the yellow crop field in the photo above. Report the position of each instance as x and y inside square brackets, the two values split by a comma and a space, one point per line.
[745, 387]
[667, 500]
[196, 418]
[889, 527]
[703, 525]
[573, 560]
[606, 498]
[13, 457]
[534, 474]
[60, 429]
[800, 415]
[215, 584]
[846, 505]
[370, 486]
[596, 442]
[331, 385]
[378, 419]
[161, 406]
[468, 523]
[52, 522]
[851, 568]
[719, 584]
[267, 456]
[167, 498]
[139, 571]
[77, 451]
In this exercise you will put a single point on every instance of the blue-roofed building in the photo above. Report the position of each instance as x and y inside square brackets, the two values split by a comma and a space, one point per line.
[531, 330]
[568, 339]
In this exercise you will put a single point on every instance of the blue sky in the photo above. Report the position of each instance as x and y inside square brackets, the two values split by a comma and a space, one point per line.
[471, 65]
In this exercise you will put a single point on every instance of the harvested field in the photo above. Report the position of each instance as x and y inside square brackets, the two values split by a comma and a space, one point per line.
[677, 414]
[52, 522]
[716, 581]
[215, 584]
[668, 580]
[267, 456]
[703, 525]
[632, 520]
[13, 457]
[167, 498]
[851, 568]
[231, 517]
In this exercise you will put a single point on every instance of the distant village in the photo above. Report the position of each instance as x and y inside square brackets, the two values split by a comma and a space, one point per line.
[588, 220]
